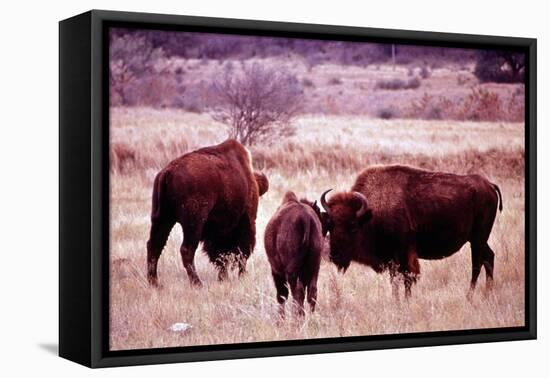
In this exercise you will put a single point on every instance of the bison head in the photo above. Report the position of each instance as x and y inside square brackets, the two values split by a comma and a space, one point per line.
[346, 215]
[262, 182]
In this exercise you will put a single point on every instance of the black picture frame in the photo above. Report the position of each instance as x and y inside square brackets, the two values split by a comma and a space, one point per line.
[84, 188]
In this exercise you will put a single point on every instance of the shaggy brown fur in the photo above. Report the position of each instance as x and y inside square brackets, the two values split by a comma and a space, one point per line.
[213, 194]
[408, 214]
[293, 244]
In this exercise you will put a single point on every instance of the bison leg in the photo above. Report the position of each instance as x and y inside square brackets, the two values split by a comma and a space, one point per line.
[191, 237]
[160, 230]
[242, 266]
[192, 219]
[482, 255]
[312, 294]
[489, 265]
[409, 267]
[477, 262]
[282, 291]
[409, 281]
[220, 254]
[394, 281]
[309, 275]
[298, 292]
[221, 263]
[187, 251]
[247, 232]
[241, 263]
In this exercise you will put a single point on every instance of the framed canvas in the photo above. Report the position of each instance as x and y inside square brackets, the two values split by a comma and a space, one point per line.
[234, 188]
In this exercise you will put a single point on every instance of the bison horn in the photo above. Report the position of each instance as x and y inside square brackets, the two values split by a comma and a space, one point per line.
[324, 201]
[364, 205]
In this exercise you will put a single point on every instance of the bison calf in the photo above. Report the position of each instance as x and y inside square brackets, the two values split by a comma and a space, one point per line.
[293, 243]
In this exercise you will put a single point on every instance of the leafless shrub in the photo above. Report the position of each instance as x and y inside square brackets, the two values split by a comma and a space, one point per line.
[461, 79]
[413, 83]
[480, 105]
[398, 84]
[194, 97]
[515, 108]
[430, 107]
[435, 64]
[257, 103]
[312, 60]
[425, 72]
[123, 157]
[154, 90]
[308, 83]
[131, 58]
[387, 112]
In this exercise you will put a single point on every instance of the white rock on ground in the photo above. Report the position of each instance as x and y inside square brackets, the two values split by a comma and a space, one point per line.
[180, 327]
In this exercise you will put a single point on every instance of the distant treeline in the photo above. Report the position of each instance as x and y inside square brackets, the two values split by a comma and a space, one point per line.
[141, 70]
[192, 45]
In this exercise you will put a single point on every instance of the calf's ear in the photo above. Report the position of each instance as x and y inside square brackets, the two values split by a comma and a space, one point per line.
[290, 196]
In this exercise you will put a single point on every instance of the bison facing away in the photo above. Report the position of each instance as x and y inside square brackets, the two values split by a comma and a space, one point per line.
[293, 244]
[213, 194]
[395, 215]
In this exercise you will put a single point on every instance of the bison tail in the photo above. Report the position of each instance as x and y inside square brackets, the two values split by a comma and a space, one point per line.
[307, 226]
[158, 194]
[499, 194]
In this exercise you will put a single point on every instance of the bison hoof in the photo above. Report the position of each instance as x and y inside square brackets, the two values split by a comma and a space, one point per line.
[153, 282]
[196, 283]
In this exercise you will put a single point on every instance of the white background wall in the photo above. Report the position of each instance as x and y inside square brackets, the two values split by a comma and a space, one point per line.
[29, 189]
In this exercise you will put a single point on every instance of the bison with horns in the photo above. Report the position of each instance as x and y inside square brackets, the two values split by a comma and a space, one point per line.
[213, 194]
[395, 215]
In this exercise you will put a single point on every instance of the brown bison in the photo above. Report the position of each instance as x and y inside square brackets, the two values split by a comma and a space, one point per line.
[293, 244]
[213, 194]
[395, 215]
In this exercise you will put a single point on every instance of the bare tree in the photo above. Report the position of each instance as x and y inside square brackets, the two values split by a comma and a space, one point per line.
[257, 103]
[131, 58]
[500, 66]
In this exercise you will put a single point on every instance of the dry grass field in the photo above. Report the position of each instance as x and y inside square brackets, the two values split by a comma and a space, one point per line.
[326, 152]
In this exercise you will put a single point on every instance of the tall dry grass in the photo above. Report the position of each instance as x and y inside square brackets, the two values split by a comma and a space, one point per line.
[327, 152]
